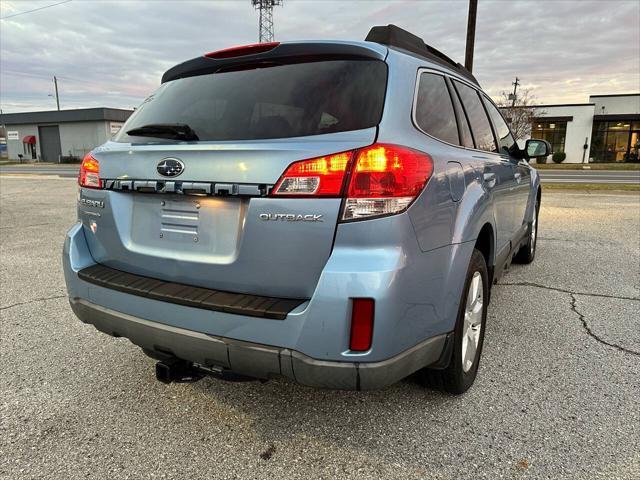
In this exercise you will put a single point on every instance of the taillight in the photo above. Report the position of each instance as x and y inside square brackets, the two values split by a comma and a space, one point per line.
[385, 179]
[89, 175]
[243, 50]
[319, 177]
[362, 313]
[381, 179]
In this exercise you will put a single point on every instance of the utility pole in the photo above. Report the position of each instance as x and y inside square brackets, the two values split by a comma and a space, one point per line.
[515, 89]
[55, 82]
[266, 18]
[471, 34]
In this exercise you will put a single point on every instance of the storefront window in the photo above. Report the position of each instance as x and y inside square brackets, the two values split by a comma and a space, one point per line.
[552, 132]
[634, 146]
[615, 141]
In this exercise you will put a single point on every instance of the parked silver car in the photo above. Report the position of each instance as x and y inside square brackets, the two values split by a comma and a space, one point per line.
[332, 212]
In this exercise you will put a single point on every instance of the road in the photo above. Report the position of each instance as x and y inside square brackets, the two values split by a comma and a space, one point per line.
[557, 394]
[64, 171]
[591, 176]
[556, 176]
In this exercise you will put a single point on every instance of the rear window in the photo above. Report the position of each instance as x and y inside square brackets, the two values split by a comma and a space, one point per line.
[434, 110]
[275, 102]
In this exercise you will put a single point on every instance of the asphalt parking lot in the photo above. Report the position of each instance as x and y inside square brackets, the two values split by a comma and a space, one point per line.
[557, 396]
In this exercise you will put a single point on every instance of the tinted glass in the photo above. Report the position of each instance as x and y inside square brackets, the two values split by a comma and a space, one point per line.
[480, 125]
[434, 110]
[276, 102]
[467, 138]
[506, 141]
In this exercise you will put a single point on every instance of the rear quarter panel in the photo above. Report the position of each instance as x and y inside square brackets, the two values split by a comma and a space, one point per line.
[439, 215]
[444, 220]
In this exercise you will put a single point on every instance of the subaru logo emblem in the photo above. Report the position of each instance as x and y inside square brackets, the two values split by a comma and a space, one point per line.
[170, 167]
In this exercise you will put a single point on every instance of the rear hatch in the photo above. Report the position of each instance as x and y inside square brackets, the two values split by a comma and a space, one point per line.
[186, 192]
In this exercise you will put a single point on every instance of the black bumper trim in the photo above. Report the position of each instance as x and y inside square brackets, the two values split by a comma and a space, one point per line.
[208, 299]
[259, 360]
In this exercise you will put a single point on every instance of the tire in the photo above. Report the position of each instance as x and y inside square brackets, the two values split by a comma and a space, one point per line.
[461, 372]
[527, 252]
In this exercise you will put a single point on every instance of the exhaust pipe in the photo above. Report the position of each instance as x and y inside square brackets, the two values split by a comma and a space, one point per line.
[176, 370]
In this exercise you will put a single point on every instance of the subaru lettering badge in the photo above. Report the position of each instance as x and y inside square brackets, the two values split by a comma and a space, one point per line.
[170, 167]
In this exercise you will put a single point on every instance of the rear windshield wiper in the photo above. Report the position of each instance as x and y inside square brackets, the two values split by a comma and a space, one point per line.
[176, 131]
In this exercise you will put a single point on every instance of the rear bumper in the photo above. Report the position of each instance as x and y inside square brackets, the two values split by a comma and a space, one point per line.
[416, 297]
[257, 360]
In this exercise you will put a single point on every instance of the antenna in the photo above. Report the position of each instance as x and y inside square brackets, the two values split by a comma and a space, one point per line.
[266, 18]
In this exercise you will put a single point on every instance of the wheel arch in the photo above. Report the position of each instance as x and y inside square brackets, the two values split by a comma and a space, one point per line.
[485, 243]
[535, 195]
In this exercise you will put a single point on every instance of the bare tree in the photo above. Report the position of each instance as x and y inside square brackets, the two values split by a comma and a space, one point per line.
[521, 115]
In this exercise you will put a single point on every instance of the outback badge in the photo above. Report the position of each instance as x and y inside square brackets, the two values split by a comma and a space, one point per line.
[291, 217]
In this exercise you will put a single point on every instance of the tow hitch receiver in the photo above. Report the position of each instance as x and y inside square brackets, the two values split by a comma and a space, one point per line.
[179, 371]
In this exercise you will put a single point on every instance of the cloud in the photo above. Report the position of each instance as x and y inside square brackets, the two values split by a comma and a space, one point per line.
[114, 53]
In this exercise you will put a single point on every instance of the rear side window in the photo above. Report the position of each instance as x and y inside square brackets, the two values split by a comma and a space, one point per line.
[466, 137]
[434, 110]
[480, 125]
[274, 102]
[506, 142]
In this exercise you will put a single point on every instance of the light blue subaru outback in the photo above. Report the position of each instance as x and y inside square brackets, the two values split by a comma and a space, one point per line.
[331, 212]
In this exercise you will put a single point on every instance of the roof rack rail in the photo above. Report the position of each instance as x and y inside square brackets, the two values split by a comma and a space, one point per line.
[394, 36]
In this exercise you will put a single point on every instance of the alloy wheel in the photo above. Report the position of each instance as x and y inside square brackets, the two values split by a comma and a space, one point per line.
[472, 321]
[534, 227]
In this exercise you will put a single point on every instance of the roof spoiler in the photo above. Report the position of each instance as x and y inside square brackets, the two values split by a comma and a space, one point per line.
[283, 53]
[394, 36]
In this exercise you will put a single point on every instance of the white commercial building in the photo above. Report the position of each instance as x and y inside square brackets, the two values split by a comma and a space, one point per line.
[607, 129]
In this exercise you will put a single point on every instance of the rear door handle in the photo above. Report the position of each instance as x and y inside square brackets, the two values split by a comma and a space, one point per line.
[489, 179]
[518, 177]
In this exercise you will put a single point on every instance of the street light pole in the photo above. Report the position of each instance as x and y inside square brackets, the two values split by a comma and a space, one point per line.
[471, 34]
[55, 82]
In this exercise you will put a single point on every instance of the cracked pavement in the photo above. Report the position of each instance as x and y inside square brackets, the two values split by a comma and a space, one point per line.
[633, 310]
[557, 394]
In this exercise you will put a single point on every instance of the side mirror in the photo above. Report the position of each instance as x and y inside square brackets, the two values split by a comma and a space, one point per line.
[537, 148]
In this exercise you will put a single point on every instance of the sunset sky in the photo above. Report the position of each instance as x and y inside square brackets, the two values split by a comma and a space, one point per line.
[113, 53]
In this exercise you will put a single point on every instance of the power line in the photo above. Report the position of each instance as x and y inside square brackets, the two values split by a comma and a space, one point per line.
[35, 9]
[10, 73]
[14, 73]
